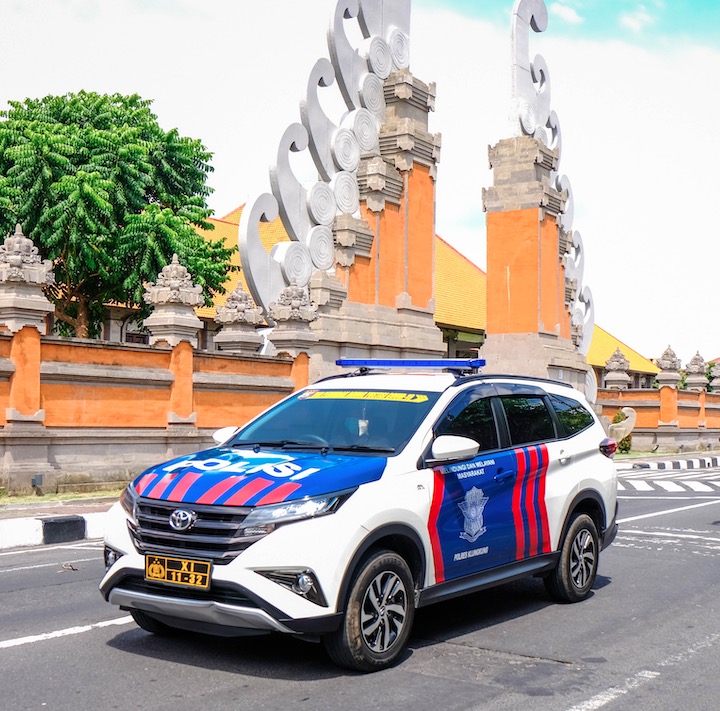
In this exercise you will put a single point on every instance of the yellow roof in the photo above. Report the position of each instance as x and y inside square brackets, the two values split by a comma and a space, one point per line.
[460, 290]
[603, 345]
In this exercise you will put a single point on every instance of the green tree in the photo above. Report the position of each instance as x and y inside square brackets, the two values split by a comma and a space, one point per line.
[108, 196]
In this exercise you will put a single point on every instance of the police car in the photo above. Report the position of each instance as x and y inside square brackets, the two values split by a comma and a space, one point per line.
[338, 512]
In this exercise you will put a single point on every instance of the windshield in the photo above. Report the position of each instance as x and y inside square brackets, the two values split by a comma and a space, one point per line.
[361, 420]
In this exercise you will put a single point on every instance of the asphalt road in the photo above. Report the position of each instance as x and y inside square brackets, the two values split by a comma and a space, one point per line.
[647, 639]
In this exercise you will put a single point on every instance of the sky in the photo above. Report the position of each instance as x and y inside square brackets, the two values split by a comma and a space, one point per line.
[633, 84]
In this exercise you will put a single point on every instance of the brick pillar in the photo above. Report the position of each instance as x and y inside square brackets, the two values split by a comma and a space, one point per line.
[23, 312]
[528, 318]
[173, 323]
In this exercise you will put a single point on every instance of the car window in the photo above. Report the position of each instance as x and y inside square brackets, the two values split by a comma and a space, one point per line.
[470, 415]
[385, 419]
[528, 419]
[572, 415]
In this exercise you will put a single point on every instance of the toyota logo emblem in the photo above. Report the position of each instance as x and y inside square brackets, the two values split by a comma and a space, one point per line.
[182, 519]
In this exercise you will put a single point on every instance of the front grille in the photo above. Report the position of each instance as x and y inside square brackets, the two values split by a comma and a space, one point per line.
[215, 535]
[218, 592]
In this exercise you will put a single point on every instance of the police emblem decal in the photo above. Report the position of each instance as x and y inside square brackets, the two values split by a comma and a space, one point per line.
[472, 509]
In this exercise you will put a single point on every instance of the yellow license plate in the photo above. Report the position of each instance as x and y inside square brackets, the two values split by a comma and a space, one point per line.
[178, 571]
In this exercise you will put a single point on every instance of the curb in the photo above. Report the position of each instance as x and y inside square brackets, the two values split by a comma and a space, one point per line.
[44, 530]
[694, 463]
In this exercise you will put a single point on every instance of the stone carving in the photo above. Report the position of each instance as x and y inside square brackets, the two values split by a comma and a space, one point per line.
[238, 318]
[293, 304]
[669, 365]
[696, 369]
[174, 298]
[336, 148]
[23, 274]
[668, 362]
[239, 308]
[532, 116]
[20, 261]
[174, 286]
[617, 366]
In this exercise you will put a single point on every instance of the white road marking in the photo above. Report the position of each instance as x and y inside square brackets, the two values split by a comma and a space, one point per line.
[639, 485]
[615, 692]
[633, 532]
[642, 677]
[48, 565]
[669, 511]
[698, 486]
[62, 633]
[670, 486]
[92, 545]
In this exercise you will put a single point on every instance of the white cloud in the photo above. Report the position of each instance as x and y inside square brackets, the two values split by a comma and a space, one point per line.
[640, 155]
[637, 20]
[566, 13]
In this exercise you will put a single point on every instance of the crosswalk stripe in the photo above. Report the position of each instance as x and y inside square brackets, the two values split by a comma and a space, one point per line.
[670, 486]
[698, 486]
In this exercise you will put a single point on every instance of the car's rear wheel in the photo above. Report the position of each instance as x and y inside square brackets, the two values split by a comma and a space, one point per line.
[574, 576]
[378, 616]
[150, 624]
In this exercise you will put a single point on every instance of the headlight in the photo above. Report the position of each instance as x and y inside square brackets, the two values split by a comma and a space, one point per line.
[128, 500]
[265, 519]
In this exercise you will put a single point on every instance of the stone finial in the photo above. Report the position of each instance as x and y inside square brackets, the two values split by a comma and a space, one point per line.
[20, 261]
[292, 313]
[669, 365]
[174, 298]
[669, 362]
[23, 274]
[715, 372]
[239, 308]
[238, 318]
[617, 366]
[695, 369]
[293, 304]
[174, 286]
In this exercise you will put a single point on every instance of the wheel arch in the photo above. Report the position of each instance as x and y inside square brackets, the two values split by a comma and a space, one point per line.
[398, 538]
[588, 502]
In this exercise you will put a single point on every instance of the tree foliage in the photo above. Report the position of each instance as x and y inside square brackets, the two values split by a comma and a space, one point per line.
[108, 196]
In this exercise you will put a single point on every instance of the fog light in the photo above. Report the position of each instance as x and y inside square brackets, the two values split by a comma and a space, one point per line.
[303, 584]
[111, 557]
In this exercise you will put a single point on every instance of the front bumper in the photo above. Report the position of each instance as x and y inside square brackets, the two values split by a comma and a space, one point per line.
[226, 609]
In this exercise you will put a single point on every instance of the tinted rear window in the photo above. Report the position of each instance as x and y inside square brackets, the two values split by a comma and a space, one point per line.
[572, 415]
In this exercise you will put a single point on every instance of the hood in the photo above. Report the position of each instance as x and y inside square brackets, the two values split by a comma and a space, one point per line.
[243, 477]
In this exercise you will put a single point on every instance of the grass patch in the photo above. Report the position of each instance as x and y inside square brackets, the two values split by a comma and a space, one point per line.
[64, 496]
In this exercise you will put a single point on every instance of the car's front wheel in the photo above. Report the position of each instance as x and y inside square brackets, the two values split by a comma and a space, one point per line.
[150, 624]
[378, 615]
[574, 576]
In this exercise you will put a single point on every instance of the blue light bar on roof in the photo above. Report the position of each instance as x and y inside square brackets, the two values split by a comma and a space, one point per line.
[448, 363]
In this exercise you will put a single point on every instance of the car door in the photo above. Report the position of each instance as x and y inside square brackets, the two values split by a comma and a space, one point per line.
[471, 524]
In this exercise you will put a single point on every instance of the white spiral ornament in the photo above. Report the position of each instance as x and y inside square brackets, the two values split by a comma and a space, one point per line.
[379, 57]
[364, 125]
[372, 94]
[295, 262]
[347, 193]
[321, 204]
[321, 245]
[399, 44]
[345, 150]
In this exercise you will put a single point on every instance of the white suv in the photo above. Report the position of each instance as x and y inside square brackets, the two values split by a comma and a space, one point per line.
[343, 508]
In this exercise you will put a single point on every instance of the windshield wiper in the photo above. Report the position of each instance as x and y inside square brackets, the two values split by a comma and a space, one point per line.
[283, 444]
[362, 448]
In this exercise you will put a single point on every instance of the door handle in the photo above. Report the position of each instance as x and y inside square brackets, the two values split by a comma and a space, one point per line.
[500, 477]
[563, 458]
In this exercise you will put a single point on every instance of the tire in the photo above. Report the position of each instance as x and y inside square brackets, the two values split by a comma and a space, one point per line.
[574, 576]
[150, 624]
[378, 615]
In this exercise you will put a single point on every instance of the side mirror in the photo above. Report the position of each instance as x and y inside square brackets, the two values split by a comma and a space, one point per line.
[223, 435]
[450, 447]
